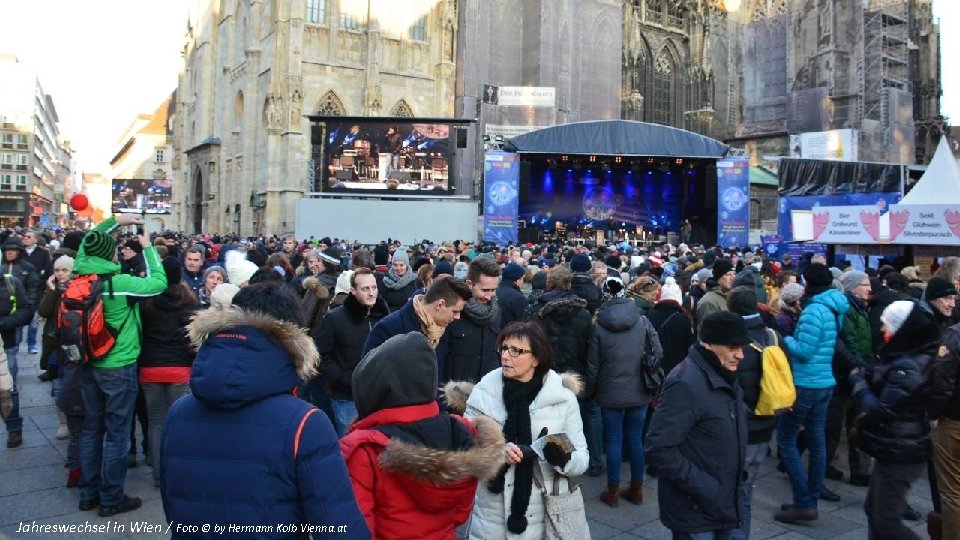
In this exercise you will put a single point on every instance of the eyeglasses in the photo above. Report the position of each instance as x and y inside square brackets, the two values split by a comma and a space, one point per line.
[512, 351]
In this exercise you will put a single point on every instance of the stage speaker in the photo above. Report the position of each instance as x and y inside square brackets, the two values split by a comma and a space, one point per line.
[529, 234]
[345, 175]
[400, 176]
[316, 135]
[461, 137]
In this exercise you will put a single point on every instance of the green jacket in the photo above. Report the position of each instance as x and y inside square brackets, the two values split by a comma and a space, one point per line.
[715, 300]
[856, 329]
[118, 308]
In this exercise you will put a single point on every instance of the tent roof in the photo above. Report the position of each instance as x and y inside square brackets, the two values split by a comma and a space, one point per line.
[940, 183]
[617, 137]
[762, 177]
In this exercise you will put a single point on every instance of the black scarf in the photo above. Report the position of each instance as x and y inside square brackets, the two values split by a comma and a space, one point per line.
[713, 361]
[517, 397]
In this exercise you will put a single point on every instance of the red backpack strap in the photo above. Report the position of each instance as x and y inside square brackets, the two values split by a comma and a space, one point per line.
[296, 438]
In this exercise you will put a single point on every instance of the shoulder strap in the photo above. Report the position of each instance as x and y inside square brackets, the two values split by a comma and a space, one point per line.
[665, 321]
[296, 438]
[12, 291]
[773, 337]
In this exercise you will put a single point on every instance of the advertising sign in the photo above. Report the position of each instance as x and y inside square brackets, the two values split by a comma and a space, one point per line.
[927, 224]
[527, 96]
[788, 205]
[836, 144]
[501, 187]
[733, 204]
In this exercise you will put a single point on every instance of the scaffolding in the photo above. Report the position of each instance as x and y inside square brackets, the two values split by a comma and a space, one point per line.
[885, 57]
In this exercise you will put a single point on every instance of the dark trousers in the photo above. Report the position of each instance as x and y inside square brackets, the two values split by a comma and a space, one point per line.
[887, 499]
[141, 415]
[842, 411]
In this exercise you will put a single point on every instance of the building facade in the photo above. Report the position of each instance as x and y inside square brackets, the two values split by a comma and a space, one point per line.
[33, 159]
[141, 171]
[254, 68]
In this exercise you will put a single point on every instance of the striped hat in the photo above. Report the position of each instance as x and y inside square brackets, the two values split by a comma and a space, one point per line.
[99, 244]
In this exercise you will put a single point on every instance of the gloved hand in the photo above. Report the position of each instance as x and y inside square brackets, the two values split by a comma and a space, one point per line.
[857, 381]
[555, 455]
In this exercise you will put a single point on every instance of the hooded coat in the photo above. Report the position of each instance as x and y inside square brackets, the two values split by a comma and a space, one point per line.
[120, 308]
[814, 340]
[556, 409]
[620, 338]
[894, 397]
[21, 269]
[314, 305]
[241, 449]
[414, 469]
[566, 321]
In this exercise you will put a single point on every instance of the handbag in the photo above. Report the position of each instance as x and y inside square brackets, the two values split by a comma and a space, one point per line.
[651, 371]
[564, 514]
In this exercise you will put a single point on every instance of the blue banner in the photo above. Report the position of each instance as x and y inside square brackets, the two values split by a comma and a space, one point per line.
[501, 192]
[775, 247]
[733, 202]
[788, 204]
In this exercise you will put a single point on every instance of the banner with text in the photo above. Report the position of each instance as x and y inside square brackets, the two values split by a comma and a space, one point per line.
[925, 224]
[501, 182]
[733, 204]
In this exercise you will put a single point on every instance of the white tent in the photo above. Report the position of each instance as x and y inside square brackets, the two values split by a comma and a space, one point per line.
[940, 184]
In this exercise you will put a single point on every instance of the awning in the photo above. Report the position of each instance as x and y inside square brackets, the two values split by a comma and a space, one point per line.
[762, 177]
[617, 137]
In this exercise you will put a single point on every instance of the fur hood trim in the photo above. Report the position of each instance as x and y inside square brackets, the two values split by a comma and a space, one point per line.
[292, 338]
[572, 301]
[456, 393]
[444, 467]
[313, 284]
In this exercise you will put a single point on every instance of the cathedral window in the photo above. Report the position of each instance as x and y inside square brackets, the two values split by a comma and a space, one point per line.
[418, 30]
[349, 21]
[316, 11]
[330, 105]
[402, 109]
[662, 106]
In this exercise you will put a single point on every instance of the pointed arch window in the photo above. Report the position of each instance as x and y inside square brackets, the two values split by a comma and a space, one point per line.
[663, 83]
[316, 11]
[402, 109]
[330, 105]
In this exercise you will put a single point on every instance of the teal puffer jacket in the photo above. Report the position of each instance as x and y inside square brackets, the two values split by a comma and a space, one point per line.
[813, 342]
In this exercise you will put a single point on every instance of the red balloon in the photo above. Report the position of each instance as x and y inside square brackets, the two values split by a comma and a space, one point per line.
[79, 202]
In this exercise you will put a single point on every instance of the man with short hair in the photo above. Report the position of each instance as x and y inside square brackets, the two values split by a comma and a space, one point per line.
[697, 440]
[472, 339]
[429, 313]
[342, 335]
[193, 269]
[39, 257]
[289, 247]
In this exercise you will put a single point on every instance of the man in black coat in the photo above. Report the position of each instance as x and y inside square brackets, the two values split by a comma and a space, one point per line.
[472, 339]
[582, 285]
[340, 342]
[39, 257]
[701, 410]
[512, 302]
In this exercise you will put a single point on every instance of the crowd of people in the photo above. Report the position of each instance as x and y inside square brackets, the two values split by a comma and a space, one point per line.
[401, 391]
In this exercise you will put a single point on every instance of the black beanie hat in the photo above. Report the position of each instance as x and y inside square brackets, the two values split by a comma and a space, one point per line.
[72, 240]
[173, 270]
[938, 287]
[133, 244]
[99, 244]
[817, 276]
[270, 298]
[443, 267]
[721, 267]
[724, 328]
[388, 383]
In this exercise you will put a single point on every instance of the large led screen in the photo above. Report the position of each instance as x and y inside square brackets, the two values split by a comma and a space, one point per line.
[145, 196]
[372, 156]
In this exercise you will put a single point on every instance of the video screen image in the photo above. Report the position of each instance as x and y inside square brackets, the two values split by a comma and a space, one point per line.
[147, 196]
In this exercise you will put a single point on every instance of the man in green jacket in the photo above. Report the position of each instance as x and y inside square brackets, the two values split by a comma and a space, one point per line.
[109, 386]
[716, 298]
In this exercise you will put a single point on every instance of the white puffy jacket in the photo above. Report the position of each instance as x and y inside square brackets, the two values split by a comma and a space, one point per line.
[555, 408]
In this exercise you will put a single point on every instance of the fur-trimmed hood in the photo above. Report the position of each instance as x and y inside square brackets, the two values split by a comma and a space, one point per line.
[313, 285]
[445, 467]
[245, 356]
[560, 304]
[456, 393]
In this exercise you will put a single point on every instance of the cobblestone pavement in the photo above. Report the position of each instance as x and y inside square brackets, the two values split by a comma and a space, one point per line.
[32, 489]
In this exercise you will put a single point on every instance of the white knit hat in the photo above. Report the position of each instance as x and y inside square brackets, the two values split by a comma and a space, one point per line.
[671, 291]
[222, 295]
[343, 282]
[895, 314]
[239, 269]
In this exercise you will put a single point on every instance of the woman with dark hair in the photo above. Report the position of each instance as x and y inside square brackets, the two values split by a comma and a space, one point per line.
[528, 400]
[166, 356]
[281, 260]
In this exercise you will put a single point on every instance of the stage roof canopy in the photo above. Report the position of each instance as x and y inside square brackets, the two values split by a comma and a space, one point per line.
[617, 137]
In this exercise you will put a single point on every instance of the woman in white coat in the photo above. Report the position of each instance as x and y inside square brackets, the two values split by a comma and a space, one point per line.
[528, 400]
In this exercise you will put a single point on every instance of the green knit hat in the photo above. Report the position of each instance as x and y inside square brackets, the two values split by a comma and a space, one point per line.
[99, 244]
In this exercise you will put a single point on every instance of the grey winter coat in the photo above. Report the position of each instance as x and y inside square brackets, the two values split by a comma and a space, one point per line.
[614, 363]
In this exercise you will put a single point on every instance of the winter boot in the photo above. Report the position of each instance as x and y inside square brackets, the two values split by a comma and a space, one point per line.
[634, 493]
[611, 497]
[62, 431]
[934, 526]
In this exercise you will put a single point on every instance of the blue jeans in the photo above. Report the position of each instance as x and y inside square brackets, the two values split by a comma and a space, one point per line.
[756, 453]
[809, 411]
[711, 535]
[109, 398]
[32, 332]
[344, 413]
[616, 424]
[592, 430]
[14, 421]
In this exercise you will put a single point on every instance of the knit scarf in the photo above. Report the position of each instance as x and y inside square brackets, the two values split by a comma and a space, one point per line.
[432, 330]
[395, 282]
[482, 314]
[517, 397]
